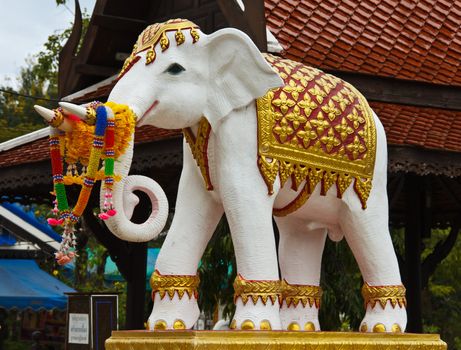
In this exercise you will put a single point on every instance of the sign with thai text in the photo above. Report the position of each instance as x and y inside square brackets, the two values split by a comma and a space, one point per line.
[79, 328]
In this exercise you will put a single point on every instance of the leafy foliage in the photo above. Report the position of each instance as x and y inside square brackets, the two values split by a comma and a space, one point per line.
[342, 304]
[442, 299]
[217, 272]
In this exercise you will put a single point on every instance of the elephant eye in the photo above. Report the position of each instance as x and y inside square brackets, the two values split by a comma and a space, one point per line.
[175, 69]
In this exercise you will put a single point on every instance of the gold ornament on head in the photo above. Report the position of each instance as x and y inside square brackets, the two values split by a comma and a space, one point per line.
[164, 42]
[150, 55]
[129, 62]
[195, 36]
[179, 37]
[382, 294]
[157, 33]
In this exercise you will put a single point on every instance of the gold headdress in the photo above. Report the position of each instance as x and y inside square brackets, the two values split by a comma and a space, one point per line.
[156, 33]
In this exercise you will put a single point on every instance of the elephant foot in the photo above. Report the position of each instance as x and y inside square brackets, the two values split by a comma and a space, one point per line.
[259, 316]
[175, 302]
[385, 309]
[299, 318]
[257, 305]
[390, 319]
[300, 307]
[173, 314]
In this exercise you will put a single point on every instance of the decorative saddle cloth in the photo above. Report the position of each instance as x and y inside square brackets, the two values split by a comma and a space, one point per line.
[315, 129]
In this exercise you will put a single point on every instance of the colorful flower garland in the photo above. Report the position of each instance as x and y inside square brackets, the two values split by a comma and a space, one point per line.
[102, 147]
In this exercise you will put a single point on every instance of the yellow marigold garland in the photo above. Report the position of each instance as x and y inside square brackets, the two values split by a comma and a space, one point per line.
[77, 143]
[87, 144]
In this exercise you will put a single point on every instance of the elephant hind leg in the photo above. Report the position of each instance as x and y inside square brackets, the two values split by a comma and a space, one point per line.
[300, 257]
[367, 233]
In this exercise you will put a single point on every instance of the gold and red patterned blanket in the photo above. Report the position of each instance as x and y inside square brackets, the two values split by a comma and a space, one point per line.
[316, 128]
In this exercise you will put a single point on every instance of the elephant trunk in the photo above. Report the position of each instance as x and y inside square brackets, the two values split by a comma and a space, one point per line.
[125, 201]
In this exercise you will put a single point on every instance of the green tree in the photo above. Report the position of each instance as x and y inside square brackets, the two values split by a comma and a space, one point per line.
[442, 298]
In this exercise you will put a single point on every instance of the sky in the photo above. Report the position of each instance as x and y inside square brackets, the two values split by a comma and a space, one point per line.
[25, 26]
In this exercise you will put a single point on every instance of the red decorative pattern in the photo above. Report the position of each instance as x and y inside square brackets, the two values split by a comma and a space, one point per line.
[318, 110]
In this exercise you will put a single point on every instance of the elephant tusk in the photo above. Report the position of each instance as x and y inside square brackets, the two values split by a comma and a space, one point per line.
[74, 109]
[49, 115]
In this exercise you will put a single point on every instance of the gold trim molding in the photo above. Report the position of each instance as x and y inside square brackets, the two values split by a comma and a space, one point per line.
[268, 340]
[199, 148]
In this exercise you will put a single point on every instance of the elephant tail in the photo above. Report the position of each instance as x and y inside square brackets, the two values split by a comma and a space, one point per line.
[335, 234]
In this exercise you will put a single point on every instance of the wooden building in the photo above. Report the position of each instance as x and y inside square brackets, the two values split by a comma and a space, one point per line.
[405, 57]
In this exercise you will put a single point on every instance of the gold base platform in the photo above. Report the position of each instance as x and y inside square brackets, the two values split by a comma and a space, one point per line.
[268, 340]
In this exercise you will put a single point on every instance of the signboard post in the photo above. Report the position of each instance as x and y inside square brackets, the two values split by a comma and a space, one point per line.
[91, 318]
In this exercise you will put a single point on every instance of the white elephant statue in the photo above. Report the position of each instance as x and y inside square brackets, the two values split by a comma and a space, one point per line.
[264, 136]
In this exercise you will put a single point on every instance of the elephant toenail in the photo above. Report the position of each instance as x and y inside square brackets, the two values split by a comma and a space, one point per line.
[363, 327]
[265, 325]
[294, 326]
[160, 325]
[309, 327]
[379, 328]
[247, 325]
[396, 328]
[233, 324]
[179, 324]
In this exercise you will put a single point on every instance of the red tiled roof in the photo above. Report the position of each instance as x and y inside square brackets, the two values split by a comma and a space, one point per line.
[38, 150]
[424, 127]
[406, 39]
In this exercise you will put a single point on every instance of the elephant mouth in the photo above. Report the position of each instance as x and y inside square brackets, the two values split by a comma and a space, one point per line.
[141, 120]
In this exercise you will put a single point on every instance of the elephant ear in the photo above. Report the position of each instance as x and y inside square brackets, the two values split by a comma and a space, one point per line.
[238, 74]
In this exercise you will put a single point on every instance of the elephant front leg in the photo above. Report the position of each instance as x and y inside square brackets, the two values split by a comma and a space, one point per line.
[175, 281]
[248, 208]
[257, 286]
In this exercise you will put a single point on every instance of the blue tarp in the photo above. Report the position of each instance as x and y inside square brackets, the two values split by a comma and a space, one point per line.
[30, 218]
[24, 285]
[6, 239]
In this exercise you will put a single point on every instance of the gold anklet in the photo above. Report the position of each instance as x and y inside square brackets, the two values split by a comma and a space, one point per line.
[171, 284]
[306, 294]
[264, 289]
[381, 294]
